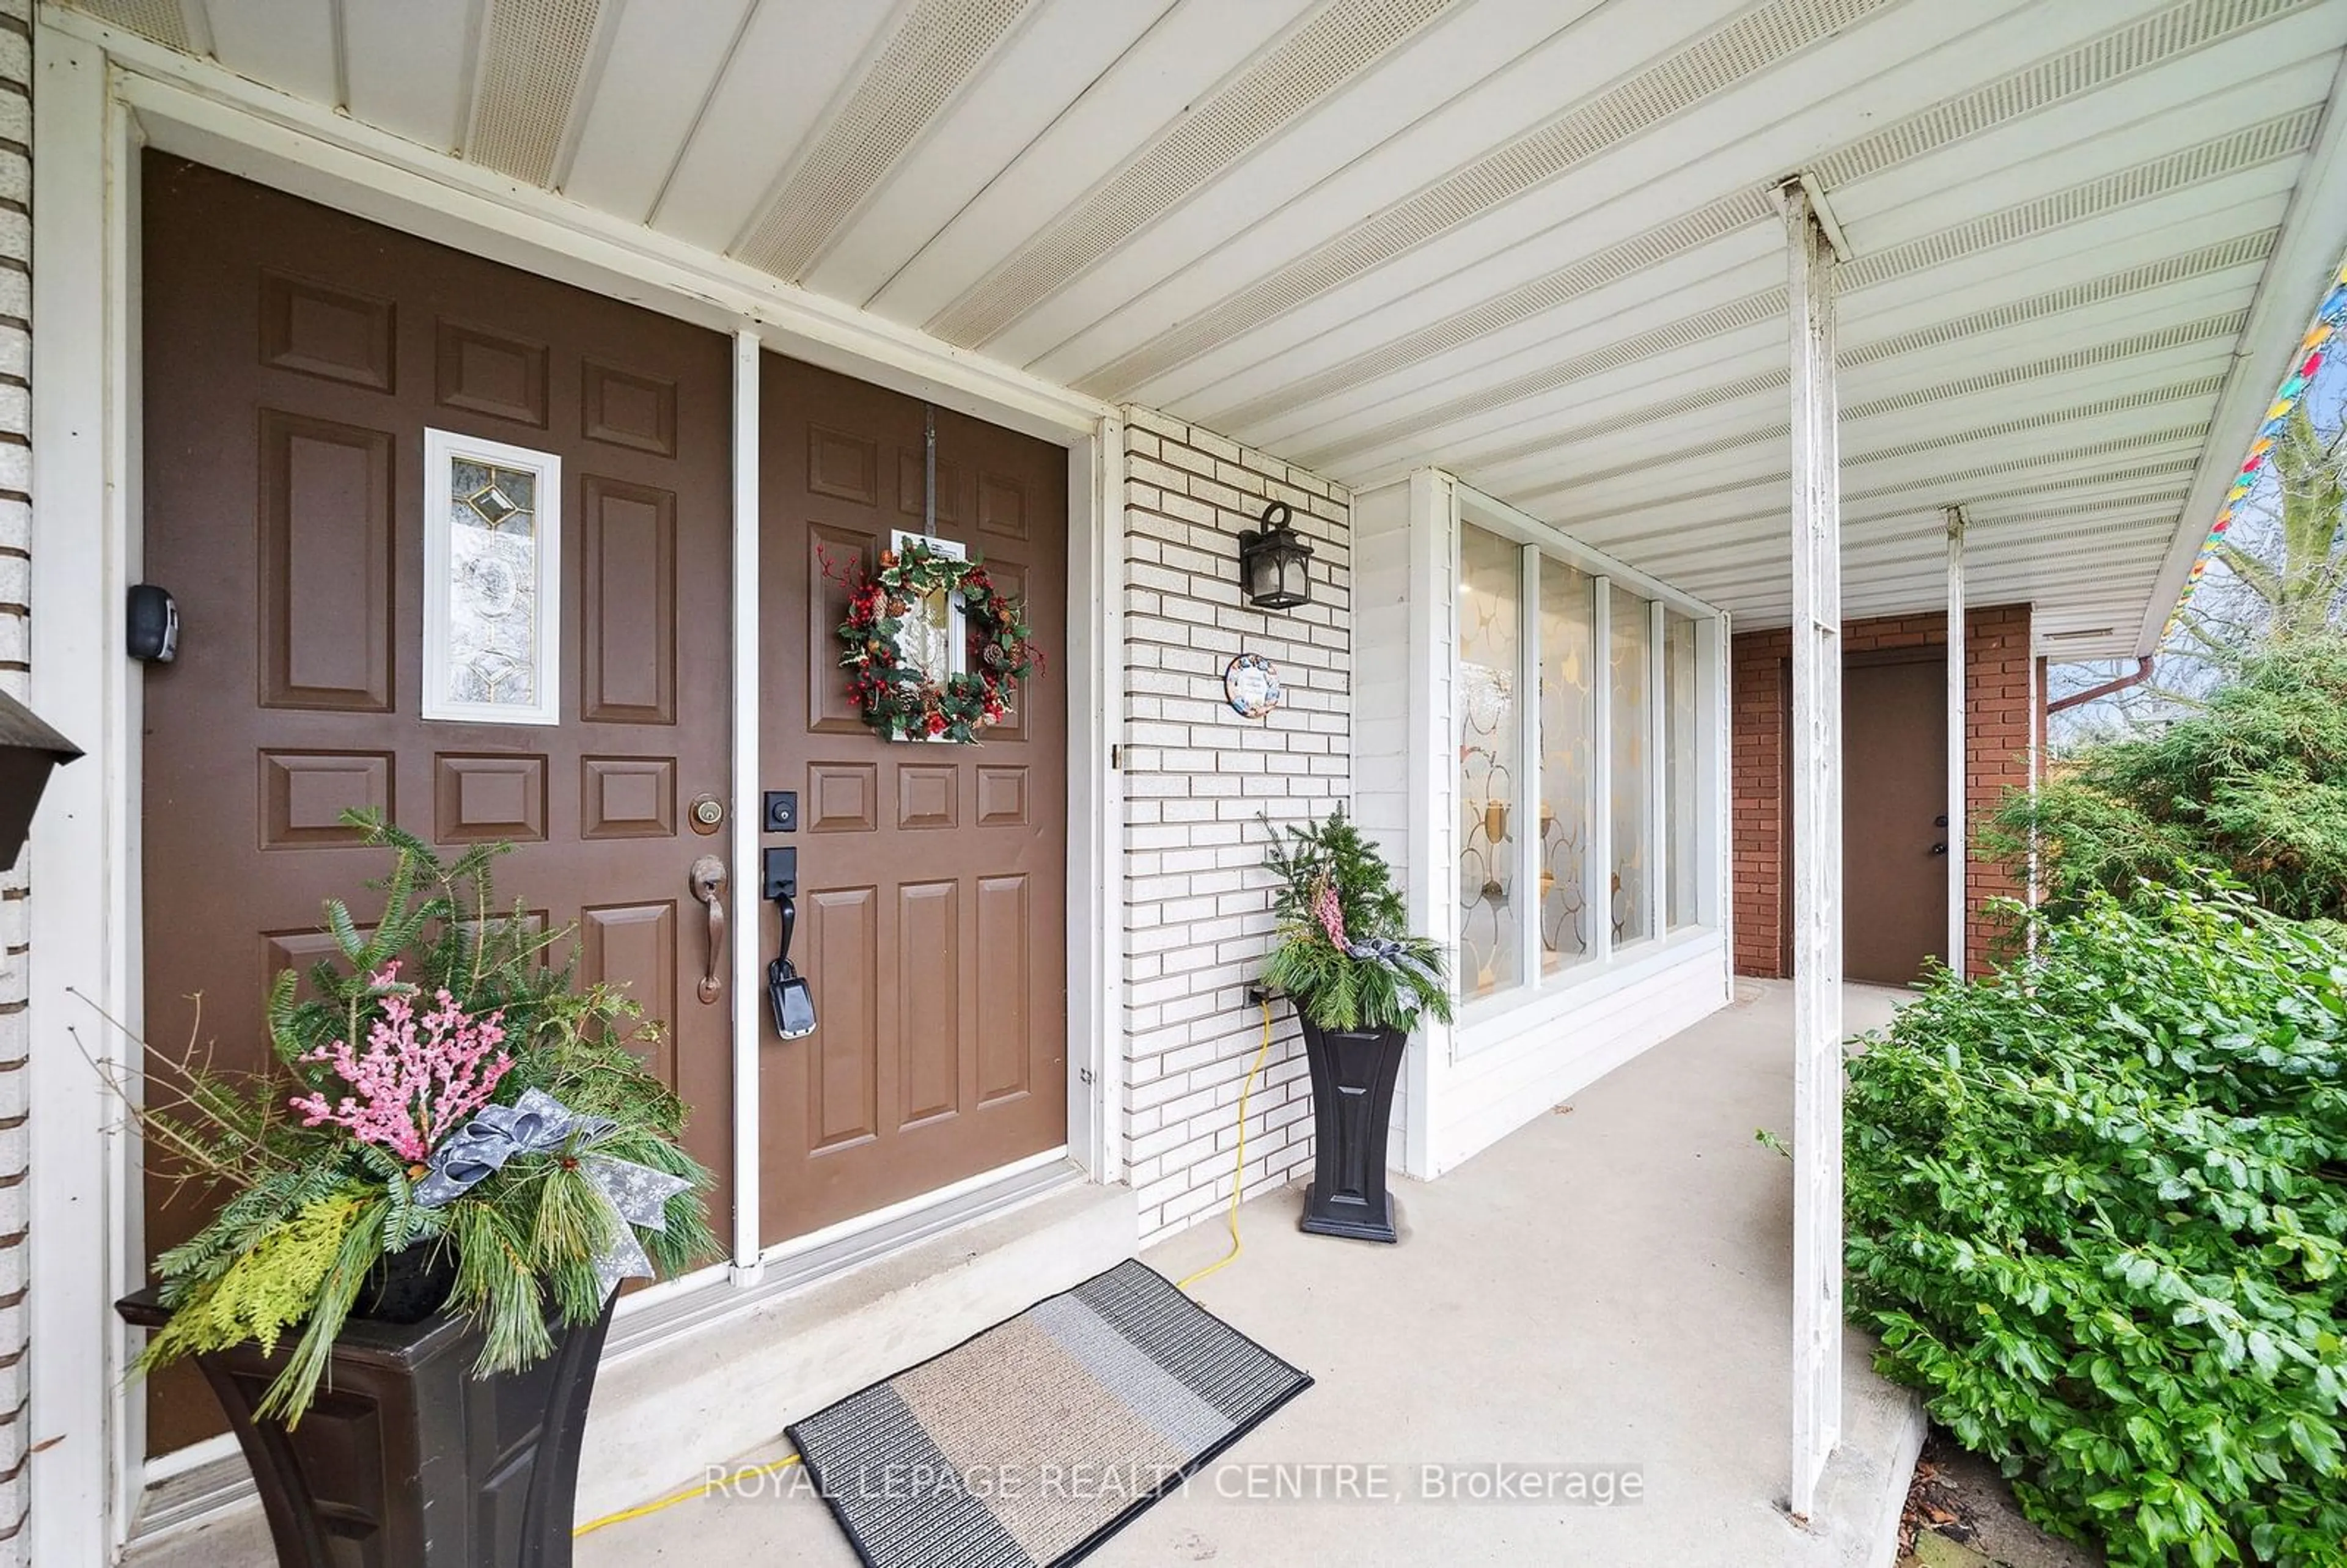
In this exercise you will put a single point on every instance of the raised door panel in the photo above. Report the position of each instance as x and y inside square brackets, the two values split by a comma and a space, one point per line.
[303, 795]
[624, 408]
[325, 591]
[313, 328]
[1001, 506]
[299, 951]
[489, 799]
[1001, 797]
[843, 797]
[912, 481]
[842, 465]
[835, 557]
[928, 999]
[841, 926]
[632, 947]
[1005, 1018]
[481, 370]
[627, 632]
[627, 798]
[928, 794]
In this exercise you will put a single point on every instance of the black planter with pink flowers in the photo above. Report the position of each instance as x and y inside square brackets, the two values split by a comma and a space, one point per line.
[421, 1210]
[406, 1457]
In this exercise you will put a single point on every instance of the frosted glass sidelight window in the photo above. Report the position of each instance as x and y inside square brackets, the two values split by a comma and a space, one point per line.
[1681, 800]
[1491, 576]
[1630, 725]
[492, 581]
[1568, 721]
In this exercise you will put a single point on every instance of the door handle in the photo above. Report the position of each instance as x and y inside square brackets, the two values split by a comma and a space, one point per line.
[707, 880]
[1939, 848]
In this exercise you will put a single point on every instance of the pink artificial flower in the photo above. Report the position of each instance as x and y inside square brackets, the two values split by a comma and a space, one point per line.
[418, 1077]
[1331, 914]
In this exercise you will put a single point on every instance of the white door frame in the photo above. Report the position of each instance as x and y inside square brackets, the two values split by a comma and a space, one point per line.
[102, 96]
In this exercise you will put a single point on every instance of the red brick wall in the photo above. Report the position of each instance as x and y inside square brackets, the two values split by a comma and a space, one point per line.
[2002, 717]
[1756, 686]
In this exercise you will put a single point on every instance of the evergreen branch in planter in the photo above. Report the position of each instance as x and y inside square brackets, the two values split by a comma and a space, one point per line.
[449, 1008]
[1345, 954]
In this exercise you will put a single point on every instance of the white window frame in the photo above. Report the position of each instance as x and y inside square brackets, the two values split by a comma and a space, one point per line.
[1608, 963]
[443, 449]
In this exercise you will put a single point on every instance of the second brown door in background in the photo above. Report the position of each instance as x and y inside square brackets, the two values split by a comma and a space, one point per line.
[1895, 849]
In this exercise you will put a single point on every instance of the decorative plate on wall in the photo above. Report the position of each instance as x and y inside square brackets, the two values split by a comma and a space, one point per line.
[1252, 685]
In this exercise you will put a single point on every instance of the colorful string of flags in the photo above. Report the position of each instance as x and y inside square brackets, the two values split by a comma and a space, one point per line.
[2312, 348]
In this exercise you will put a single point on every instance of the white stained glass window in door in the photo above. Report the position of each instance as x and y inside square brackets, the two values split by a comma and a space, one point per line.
[1491, 575]
[492, 598]
[1567, 747]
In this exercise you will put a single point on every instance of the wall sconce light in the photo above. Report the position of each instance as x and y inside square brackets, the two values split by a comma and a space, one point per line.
[30, 749]
[1275, 565]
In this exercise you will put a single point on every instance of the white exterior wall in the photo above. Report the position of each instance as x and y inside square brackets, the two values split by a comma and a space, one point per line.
[1509, 1060]
[1408, 640]
[1197, 902]
[15, 679]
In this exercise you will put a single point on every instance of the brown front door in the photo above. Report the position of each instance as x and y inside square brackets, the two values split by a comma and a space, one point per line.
[1895, 849]
[932, 904]
[294, 358]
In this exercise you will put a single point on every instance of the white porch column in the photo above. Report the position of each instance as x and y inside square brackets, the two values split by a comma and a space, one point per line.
[1958, 863]
[1817, 852]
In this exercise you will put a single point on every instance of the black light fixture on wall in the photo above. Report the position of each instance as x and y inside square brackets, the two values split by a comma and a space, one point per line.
[1275, 564]
[30, 749]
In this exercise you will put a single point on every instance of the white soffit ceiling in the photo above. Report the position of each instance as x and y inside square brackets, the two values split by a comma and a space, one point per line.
[1530, 241]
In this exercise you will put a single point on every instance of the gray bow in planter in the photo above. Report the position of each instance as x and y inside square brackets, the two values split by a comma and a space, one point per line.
[1394, 954]
[539, 1123]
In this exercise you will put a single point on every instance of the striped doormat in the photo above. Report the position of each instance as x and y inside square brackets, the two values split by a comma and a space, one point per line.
[1034, 1441]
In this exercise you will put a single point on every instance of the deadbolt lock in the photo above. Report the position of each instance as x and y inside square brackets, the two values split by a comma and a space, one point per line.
[706, 813]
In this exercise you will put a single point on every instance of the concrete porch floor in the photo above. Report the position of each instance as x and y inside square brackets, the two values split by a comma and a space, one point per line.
[1608, 1286]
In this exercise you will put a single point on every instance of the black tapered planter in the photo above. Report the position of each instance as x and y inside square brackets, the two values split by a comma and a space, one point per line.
[405, 1457]
[1353, 1073]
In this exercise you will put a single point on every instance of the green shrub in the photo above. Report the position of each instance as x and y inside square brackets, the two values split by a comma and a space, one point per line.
[2095, 1210]
[2255, 783]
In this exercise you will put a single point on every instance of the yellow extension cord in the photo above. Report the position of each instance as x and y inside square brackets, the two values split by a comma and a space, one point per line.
[757, 1471]
[1238, 1177]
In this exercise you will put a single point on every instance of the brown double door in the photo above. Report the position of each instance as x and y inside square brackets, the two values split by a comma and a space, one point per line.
[932, 905]
[294, 358]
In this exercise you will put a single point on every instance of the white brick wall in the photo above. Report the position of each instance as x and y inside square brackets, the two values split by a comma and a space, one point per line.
[15, 539]
[1197, 905]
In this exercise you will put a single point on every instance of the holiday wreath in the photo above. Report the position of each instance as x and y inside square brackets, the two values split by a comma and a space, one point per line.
[898, 698]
